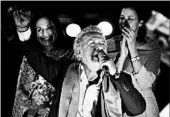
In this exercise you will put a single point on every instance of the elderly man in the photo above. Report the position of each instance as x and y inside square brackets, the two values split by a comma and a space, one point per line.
[94, 82]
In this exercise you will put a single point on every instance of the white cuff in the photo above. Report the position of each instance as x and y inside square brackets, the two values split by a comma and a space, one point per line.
[23, 36]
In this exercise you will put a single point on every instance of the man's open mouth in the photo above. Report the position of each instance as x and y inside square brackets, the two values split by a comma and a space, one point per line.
[95, 56]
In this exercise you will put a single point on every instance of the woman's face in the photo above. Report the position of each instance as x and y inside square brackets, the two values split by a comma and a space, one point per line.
[130, 19]
[90, 49]
[46, 31]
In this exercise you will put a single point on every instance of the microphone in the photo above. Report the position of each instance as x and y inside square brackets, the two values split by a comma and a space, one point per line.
[105, 69]
[105, 57]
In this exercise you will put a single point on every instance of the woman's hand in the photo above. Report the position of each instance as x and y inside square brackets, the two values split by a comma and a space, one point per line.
[124, 50]
[123, 54]
[22, 19]
[130, 36]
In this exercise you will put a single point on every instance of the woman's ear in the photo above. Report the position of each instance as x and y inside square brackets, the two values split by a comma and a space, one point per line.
[141, 23]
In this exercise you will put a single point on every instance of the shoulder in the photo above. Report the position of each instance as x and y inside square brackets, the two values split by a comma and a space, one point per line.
[72, 71]
[71, 77]
[150, 44]
[151, 49]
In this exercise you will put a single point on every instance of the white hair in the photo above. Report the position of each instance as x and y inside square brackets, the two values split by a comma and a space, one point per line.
[78, 42]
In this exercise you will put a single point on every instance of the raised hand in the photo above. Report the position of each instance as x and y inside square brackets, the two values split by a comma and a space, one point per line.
[130, 37]
[22, 19]
[124, 50]
[123, 54]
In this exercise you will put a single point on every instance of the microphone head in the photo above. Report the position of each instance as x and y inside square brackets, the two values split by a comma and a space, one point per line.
[105, 56]
[105, 68]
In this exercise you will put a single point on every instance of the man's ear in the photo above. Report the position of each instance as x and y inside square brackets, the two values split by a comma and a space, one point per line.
[141, 23]
[80, 53]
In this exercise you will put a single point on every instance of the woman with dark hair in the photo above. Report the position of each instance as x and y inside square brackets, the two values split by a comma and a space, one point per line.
[43, 67]
[143, 59]
[53, 20]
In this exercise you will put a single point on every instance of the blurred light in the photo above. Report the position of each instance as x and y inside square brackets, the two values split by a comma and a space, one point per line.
[65, 19]
[91, 15]
[165, 111]
[73, 29]
[105, 27]
[158, 21]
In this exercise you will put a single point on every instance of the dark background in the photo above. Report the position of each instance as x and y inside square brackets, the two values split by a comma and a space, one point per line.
[83, 13]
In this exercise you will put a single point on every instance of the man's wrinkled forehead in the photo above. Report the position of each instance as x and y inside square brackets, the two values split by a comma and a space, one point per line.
[93, 36]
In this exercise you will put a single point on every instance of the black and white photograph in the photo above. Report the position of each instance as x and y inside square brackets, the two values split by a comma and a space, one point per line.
[85, 58]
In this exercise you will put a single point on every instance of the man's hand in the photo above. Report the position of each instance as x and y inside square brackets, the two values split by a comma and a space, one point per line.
[22, 19]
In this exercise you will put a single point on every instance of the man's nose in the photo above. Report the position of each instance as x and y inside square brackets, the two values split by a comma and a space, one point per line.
[100, 48]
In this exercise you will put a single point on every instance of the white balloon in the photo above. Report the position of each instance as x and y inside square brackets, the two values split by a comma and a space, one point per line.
[165, 111]
[73, 30]
[105, 27]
